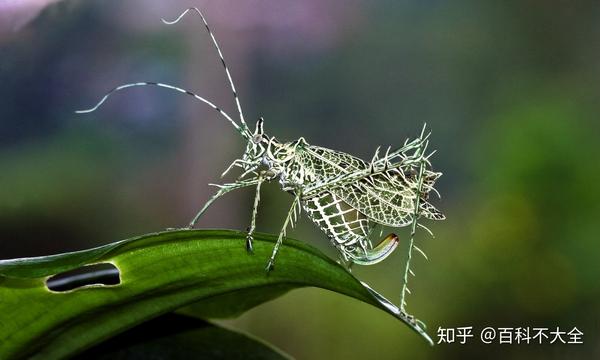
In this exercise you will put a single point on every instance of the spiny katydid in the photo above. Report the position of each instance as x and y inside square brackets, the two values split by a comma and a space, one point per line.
[344, 196]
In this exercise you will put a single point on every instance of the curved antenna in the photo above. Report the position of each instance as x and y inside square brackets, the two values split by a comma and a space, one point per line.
[214, 41]
[171, 87]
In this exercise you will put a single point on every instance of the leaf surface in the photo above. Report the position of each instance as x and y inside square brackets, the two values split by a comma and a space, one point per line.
[159, 273]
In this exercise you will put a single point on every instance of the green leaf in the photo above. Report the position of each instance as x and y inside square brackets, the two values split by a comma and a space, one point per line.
[159, 273]
[174, 336]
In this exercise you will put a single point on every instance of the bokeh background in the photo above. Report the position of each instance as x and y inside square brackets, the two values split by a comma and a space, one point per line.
[510, 90]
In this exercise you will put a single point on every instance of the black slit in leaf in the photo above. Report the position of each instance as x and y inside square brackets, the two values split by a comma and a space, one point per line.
[96, 274]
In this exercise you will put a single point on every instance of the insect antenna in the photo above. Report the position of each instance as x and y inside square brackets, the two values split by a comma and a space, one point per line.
[216, 45]
[171, 87]
[242, 127]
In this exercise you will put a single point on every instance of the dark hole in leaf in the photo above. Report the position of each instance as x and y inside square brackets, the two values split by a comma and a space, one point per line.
[97, 274]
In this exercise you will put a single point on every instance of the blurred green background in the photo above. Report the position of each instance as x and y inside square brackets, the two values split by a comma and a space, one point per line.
[510, 90]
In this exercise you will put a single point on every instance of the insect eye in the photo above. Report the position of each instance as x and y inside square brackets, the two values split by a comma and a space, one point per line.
[257, 138]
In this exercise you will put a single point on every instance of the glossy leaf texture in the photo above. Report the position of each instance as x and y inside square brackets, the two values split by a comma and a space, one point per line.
[158, 273]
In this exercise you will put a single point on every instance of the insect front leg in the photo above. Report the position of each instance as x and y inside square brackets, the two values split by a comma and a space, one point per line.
[223, 189]
[236, 162]
[291, 214]
[252, 226]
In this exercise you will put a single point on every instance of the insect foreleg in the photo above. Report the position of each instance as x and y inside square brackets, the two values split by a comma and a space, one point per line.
[223, 189]
[252, 227]
[251, 170]
[271, 263]
[236, 162]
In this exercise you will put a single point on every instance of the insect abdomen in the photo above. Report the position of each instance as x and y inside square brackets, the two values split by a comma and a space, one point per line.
[342, 223]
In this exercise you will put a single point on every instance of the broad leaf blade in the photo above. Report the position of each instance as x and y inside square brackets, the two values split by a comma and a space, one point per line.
[159, 273]
[174, 336]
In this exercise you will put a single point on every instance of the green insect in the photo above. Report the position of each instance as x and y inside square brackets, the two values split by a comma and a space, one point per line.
[344, 196]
